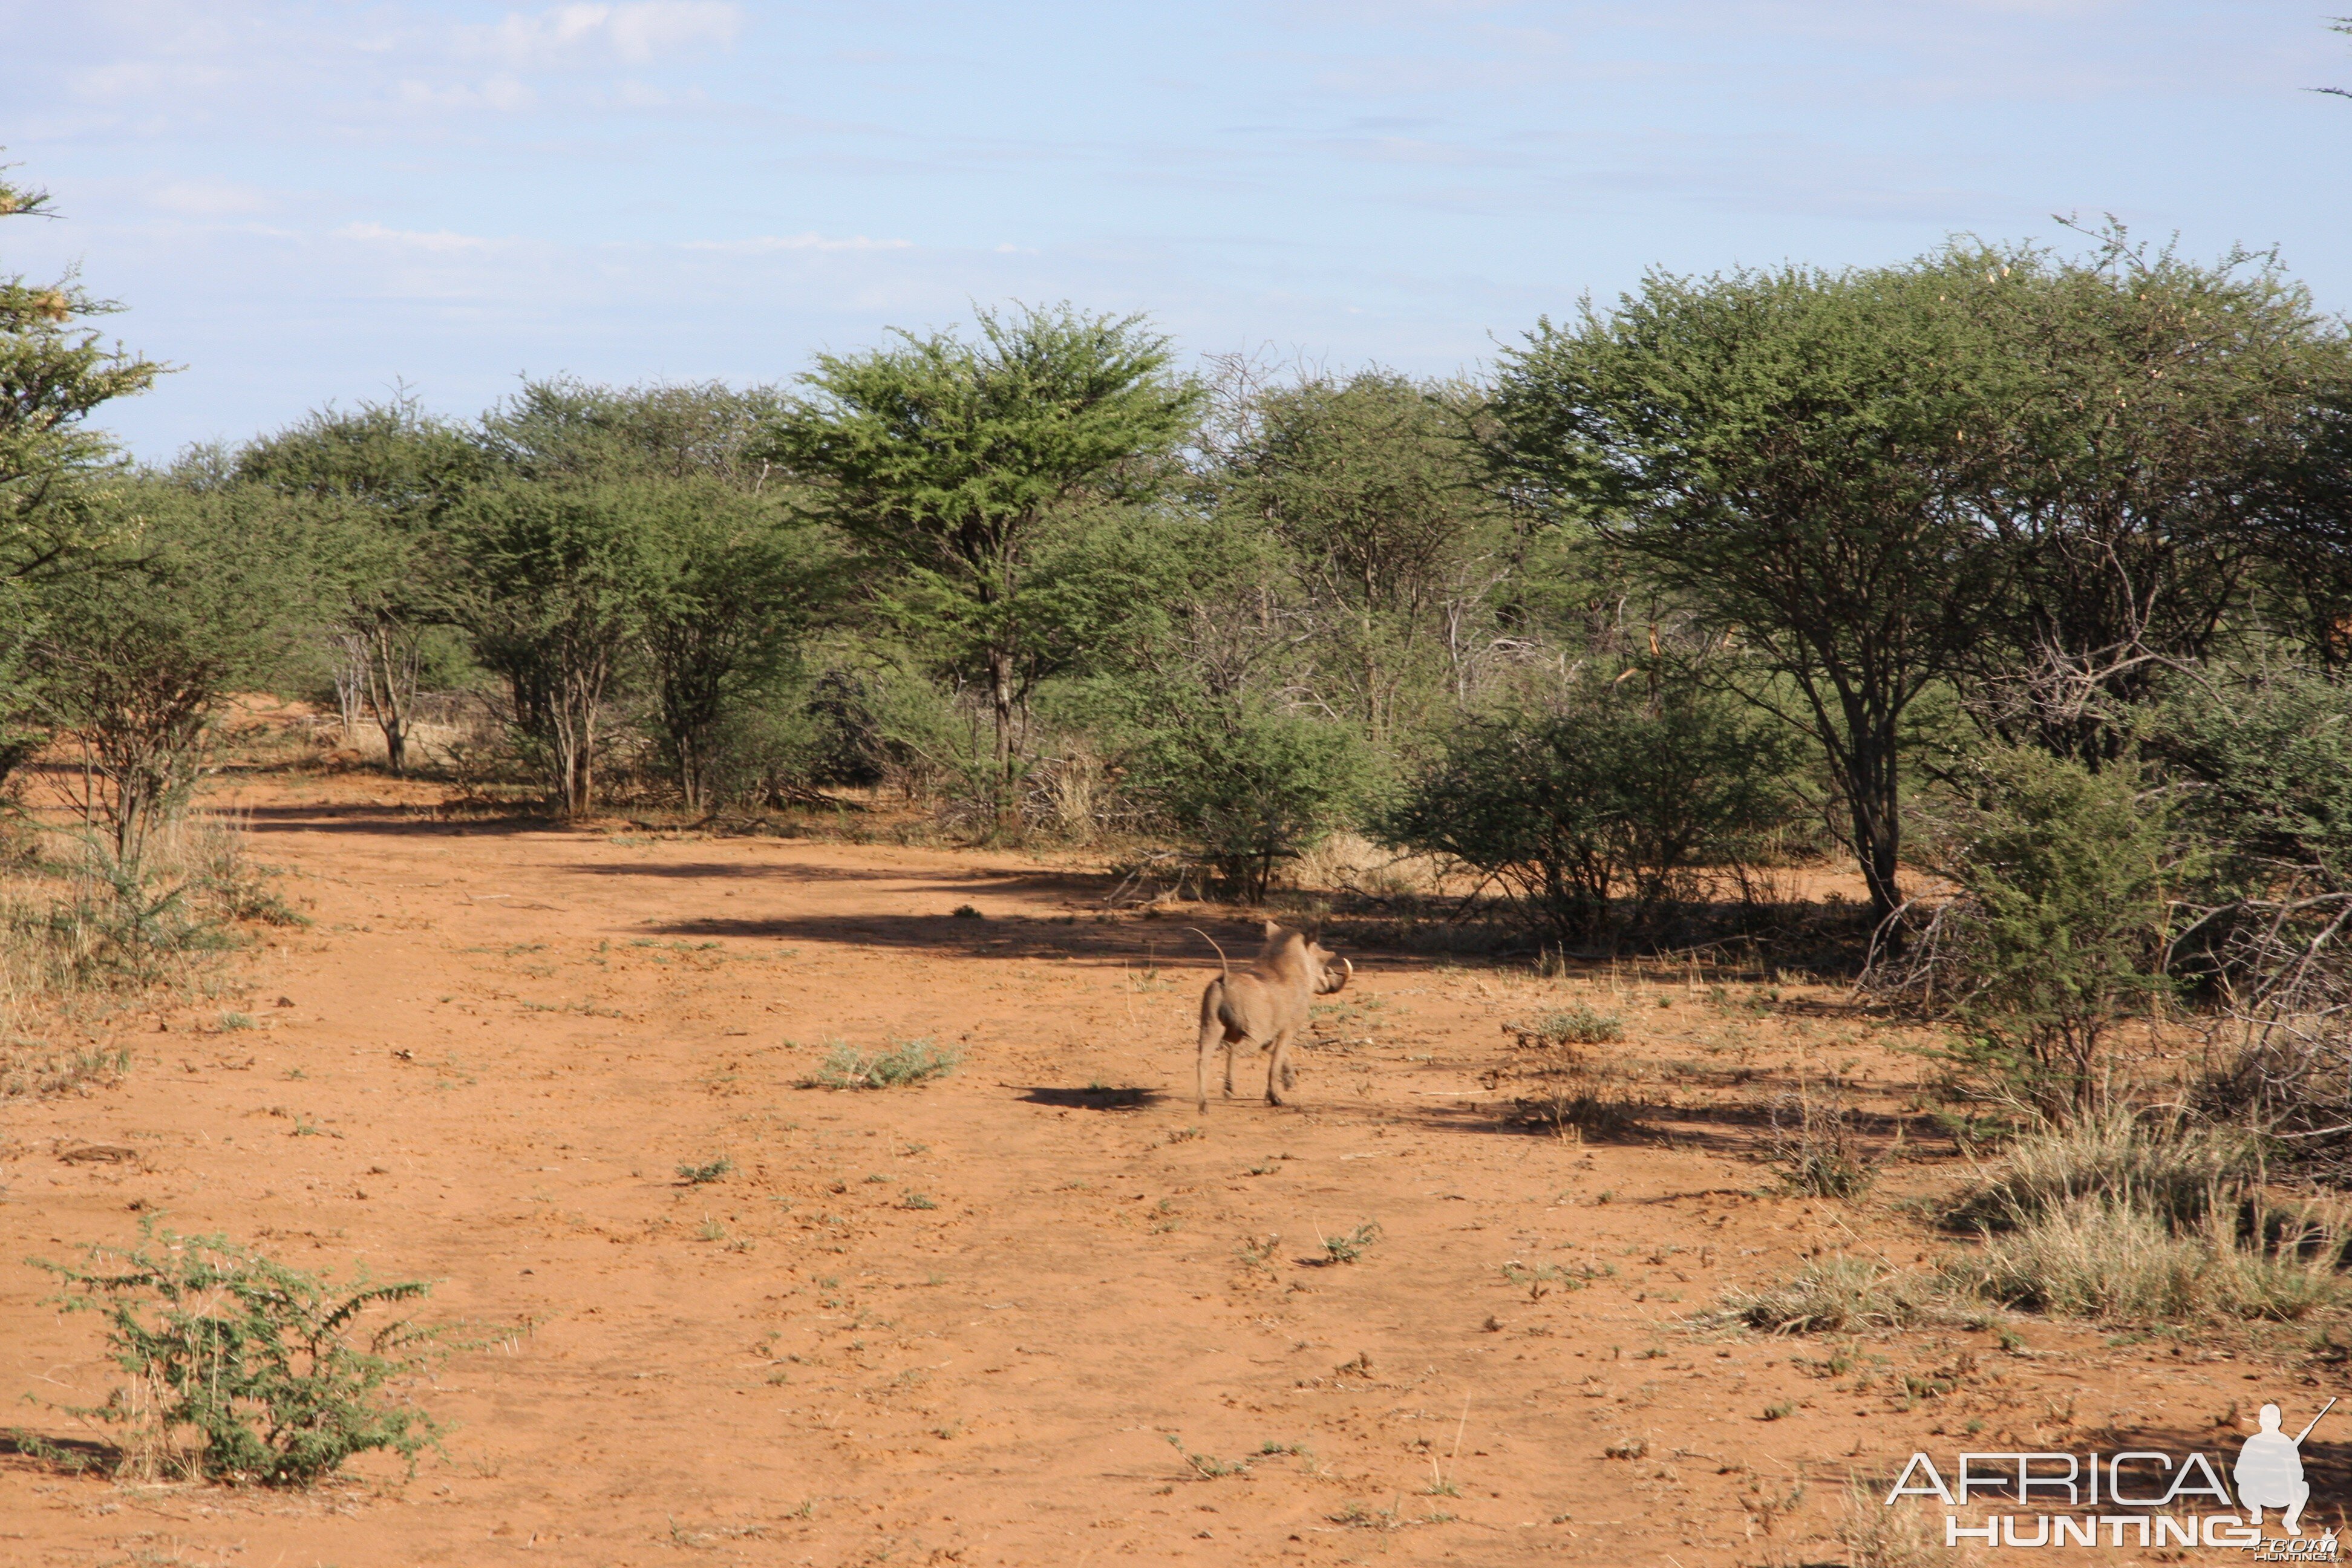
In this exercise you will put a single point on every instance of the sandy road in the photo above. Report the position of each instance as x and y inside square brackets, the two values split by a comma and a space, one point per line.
[959, 1324]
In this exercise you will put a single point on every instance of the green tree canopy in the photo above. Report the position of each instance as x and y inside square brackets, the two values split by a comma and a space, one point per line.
[1780, 450]
[1375, 485]
[2143, 418]
[54, 373]
[954, 462]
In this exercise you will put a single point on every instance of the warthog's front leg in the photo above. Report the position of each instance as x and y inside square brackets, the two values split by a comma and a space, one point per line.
[1277, 1067]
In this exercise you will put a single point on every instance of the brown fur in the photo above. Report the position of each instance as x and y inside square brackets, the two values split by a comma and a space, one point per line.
[1265, 1004]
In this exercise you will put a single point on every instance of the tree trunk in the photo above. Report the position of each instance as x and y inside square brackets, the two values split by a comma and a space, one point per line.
[350, 681]
[692, 784]
[1000, 697]
[392, 661]
[1873, 795]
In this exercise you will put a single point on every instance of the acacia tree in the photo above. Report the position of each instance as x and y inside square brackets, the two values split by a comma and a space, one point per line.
[1374, 484]
[54, 514]
[955, 462]
[566, 429]
[552, 594]
[2134, 461]
[135, 654]
[730, 589]
[1779, 450]
[389, 475]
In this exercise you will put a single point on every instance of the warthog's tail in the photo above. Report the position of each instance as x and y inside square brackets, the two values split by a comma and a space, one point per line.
[1224, 969]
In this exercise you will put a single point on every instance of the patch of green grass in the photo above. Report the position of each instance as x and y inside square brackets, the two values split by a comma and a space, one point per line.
[1207, 1466]
[1579, 1024]
[906, 1062]
[709, 1171]
[1351, 1247]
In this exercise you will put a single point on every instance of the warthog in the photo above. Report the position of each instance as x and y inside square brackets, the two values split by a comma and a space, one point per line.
[1265, 1004]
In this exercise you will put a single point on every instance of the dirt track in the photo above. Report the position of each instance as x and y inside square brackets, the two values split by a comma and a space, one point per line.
[496, 1046]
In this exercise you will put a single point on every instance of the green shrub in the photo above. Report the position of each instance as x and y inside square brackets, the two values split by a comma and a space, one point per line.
[257, 1360]
[906, 1062]
[1347, 1248]
[1247, 787]
[1609, 799]
[709, 1171]
[2058, 935]
[2271, 754]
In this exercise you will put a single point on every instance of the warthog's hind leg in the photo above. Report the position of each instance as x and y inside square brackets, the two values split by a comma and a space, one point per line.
[1212, 1034]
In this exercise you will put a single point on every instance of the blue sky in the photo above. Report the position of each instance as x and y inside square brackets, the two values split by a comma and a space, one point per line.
[311, 202]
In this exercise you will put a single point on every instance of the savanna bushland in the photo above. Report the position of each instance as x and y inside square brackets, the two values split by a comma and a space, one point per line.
[1958, 651]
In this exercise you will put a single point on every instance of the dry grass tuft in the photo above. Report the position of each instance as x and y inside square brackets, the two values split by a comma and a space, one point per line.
[1837, 1295]
[1562, 1083]
[2176, 1174]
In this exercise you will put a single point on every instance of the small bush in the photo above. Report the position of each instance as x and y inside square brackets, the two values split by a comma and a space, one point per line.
[227, 880]
[906, 1062]
[257, 1360]
[1605, 809]
[2058, 935]
[1247, 787]
[1347, 1248]
[1836, 1295]
[709, 1171]
[2094, 1258]
[1579, 1024]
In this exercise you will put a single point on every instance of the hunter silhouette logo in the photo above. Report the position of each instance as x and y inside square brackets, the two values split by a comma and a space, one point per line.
[2139, 1498]
[2269, 1471]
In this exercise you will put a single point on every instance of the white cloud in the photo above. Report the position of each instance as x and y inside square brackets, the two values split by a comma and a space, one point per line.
[759, 244]
[502, 92]
[440, 240]
[633, 33]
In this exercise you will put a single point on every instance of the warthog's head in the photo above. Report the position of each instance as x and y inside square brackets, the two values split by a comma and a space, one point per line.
[1326, 970]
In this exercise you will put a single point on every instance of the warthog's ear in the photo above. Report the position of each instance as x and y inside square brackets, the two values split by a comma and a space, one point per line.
[1272, 929]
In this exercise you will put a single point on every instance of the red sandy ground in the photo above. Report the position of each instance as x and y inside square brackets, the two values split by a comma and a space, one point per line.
[496, 1044]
